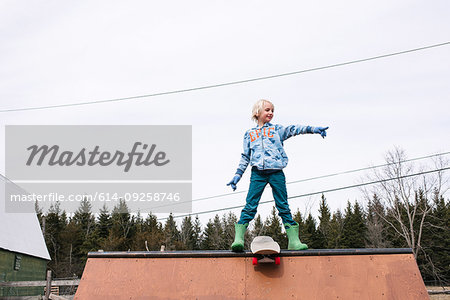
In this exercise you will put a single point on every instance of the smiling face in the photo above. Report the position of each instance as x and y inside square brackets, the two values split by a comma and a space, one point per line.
[266, 114]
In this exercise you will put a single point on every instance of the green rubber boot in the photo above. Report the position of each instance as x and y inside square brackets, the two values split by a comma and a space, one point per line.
[238, 244]
[294, 241]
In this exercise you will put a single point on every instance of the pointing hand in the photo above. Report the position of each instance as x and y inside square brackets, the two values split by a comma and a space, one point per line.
[321, 130]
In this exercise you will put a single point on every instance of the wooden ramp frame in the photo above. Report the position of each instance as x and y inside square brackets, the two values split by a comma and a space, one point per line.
[311, 274]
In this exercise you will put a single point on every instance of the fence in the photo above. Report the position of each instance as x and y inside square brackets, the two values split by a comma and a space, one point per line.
[51, 290]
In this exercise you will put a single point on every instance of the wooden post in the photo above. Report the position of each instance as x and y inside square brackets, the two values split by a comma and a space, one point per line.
[48, 286]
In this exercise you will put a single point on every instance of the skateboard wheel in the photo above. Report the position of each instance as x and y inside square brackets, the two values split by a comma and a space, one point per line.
[277, 260]
[255, 261]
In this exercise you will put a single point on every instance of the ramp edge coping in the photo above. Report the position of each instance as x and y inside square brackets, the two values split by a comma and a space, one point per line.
[229, 253]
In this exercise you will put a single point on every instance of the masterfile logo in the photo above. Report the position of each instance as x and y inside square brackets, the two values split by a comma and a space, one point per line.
[73, 152]
[149, 167]
[85, 157]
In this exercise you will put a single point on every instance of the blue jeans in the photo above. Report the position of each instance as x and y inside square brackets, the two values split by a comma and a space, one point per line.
[258, 181]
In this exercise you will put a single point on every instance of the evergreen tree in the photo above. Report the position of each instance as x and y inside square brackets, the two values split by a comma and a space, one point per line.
[139, 229]
[139, 222]
[197, 234]
[301, 224]
[228, 222]
[360, 225]
[219, 230]
[213, 235]
[348, 230]
[150, 235]
[310, 236]
[71, 250]
[298, 218]
[172, 238]
[187, 234]
[154, 231]
[433, 256]
[122, 229]
[354, 230]
[55, 224]
[84, 218]
[258, 228]
[394, 231]
[323, 230]
[103, 224]
[437, 239]
[336, 230]
[209, 241]
[273, 229]
[82, 236]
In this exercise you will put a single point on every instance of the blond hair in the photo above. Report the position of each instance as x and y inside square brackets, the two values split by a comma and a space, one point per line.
[258, 107]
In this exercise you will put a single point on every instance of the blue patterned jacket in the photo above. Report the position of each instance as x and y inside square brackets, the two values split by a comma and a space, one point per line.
[263, 146]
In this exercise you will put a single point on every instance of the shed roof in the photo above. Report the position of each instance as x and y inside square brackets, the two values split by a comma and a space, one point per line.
[20, 232]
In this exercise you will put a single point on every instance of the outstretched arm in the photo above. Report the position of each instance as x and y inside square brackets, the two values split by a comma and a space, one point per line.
[292, 130]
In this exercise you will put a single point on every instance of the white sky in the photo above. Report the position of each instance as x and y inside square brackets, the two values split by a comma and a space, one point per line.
[59, 52]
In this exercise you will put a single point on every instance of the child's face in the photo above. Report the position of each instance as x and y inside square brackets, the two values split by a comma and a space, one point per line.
[266, 114]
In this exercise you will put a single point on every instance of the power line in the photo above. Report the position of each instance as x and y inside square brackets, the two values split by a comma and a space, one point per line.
[224, 84]
[313, 193]
[309, 179]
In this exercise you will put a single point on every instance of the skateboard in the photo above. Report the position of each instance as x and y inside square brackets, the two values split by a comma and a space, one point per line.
[265, 250]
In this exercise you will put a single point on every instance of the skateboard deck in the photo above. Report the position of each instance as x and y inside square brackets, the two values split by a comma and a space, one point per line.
[265, 250]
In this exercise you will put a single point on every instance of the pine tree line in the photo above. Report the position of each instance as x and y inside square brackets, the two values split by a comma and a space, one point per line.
[69, 239]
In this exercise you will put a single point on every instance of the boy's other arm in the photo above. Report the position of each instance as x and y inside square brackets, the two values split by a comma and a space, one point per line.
[245, 156]
[243, 163]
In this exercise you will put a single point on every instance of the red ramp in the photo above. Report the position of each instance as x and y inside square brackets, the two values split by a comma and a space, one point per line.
[311, 274]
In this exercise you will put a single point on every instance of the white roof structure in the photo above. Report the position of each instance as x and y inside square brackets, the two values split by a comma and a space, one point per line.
[20, 232]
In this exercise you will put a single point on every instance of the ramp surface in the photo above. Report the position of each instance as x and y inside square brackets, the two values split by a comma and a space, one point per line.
[310, 274]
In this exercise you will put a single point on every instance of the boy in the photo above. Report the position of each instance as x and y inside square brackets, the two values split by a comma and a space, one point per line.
[263, 150]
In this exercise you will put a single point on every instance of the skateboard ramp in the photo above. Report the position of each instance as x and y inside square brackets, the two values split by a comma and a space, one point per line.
[311, 274]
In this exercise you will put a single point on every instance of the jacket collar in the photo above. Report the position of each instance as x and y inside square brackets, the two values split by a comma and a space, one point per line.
[265, 125]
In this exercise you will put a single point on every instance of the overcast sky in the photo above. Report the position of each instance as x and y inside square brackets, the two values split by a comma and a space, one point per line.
[60, 52]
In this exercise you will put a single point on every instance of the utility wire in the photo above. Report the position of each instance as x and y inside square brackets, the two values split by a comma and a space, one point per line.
[313, 193]
[310, 179]
[224, 84]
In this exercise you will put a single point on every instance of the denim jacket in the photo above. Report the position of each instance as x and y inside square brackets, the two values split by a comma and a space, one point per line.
[263, 146]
